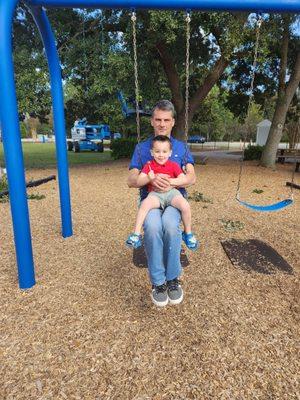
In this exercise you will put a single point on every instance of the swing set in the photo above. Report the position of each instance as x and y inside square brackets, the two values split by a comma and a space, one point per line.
[9, 108]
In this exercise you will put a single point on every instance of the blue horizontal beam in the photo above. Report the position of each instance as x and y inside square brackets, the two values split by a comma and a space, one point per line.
[292, 6]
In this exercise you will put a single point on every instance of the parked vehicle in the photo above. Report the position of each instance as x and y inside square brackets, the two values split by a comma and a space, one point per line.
[112, 135]
[117, 135]
[196, 139]
[86, 136]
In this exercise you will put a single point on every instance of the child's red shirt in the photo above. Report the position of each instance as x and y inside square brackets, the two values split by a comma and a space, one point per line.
[170, 168]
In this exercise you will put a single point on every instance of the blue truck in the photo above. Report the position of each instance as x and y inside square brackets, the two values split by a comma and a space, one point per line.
[86, 136]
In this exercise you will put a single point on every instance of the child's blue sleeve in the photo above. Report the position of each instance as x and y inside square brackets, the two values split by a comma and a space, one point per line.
[136, 161]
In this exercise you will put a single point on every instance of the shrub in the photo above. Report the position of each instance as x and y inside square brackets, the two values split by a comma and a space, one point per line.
[43, 129]
[253, 152]
[23, 129]
[122, 148]
[3, 183]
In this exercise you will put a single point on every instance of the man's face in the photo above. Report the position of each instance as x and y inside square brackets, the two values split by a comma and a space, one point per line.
[162, 122]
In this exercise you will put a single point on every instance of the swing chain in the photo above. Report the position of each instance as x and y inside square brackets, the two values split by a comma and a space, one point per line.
[253, 68]
[187, 84]
[102, 58]
[187, 73]
[252, 75]
[85, 61]
[136, 77]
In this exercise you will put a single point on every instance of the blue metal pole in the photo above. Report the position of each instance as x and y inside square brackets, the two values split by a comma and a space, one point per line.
[43, 24]
[13, 150]
[292, 6]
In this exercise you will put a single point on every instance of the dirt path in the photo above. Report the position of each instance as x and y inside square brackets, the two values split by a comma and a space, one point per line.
[88, 330]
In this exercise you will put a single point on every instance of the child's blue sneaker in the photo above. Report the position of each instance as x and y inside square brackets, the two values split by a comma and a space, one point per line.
[134, 241]
[190, 241]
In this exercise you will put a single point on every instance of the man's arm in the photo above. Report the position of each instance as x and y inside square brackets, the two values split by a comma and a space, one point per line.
[185, 180]
[132, 180]
[180, 181]
[143, 179]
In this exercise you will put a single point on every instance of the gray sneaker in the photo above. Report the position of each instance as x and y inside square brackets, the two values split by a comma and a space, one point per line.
[175, 292]
[159, 295]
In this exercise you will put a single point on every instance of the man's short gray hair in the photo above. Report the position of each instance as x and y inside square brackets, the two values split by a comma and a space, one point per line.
[164, 105]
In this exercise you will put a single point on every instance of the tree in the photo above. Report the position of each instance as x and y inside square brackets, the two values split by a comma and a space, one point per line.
[215, 41]
[292, 125]
[32, 80]
[32, 124]
[95, 49]
[213, 119]
[253, 118]
[286, 91]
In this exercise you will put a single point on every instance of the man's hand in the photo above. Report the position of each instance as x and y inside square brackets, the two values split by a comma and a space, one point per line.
[161, 183]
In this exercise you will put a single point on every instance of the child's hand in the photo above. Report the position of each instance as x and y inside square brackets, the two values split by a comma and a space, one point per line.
[151, 175]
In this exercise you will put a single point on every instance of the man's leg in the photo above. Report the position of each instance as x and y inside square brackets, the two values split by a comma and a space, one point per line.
[153, 236]
[153, 239]
[171, 219]
[172, 247]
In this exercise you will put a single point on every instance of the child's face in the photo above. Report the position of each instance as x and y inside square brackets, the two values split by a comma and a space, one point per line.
[161, 152]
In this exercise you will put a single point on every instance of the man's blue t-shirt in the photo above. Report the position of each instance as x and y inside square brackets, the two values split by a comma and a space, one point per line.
[180, 154]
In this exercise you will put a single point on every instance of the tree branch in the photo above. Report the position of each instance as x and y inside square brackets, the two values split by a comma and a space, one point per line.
[210, 80]
[107, 28]
[171, 74]
[283, 56]
[294, 80]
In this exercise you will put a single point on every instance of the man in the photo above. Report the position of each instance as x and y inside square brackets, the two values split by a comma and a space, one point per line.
[162, 234]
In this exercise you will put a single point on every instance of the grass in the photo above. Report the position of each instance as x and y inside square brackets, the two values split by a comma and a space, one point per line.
[199, 197]
[258, 191]
[42, 155]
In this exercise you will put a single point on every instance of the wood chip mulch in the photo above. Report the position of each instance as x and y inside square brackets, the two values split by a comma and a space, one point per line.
[88, 329]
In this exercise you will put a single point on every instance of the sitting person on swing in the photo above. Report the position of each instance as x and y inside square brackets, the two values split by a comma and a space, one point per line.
[161, 150]
[162, 234]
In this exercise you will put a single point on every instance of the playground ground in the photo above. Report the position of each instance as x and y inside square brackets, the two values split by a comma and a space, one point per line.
[88, 329]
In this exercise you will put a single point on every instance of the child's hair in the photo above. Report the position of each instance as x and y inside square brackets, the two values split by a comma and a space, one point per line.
[162, 139]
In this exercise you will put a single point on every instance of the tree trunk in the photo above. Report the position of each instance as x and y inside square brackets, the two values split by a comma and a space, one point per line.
[33, 133]
[195, 101]
[269, 154]
[179, 128]
[285, 95]
[172, 75]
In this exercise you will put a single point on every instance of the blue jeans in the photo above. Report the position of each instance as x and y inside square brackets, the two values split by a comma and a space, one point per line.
[162, 237]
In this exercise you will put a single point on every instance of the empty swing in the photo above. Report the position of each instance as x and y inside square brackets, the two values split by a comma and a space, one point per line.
[128, 111]
[269, 207]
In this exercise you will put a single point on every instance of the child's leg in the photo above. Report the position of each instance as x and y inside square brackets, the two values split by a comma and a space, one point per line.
[183, 206]
[188, 237]
[148, 204]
